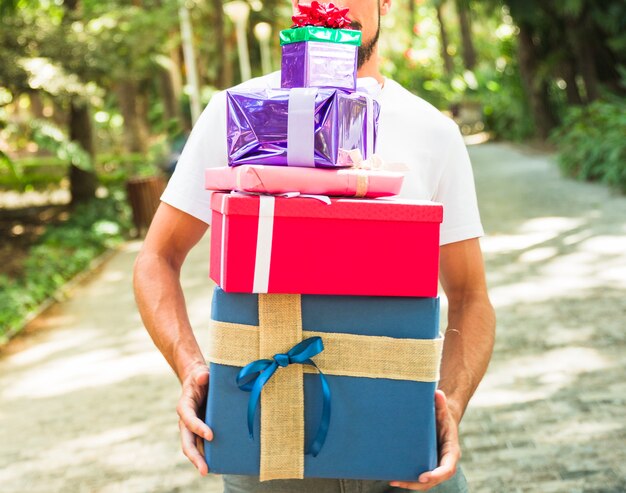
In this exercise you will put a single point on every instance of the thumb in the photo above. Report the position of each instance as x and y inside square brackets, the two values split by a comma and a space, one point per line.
[440, 399]
[201, 378]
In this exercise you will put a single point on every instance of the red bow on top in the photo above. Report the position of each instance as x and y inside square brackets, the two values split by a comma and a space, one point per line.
[322, 15]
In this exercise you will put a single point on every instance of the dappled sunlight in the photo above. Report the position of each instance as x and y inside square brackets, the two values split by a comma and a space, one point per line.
[538, 255]
[534, 377]
[547, 257]
[604, 245]
[577, 431]
[53, 78]
[87, 370]
[530, 233]
[537, 289]
[64, 341]
[114, 276]
[496, 244]
[558, 225]
[133, 246]
[96, 442]
[123, 448]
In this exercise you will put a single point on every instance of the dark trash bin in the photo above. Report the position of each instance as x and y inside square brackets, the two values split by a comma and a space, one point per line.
[144, 198]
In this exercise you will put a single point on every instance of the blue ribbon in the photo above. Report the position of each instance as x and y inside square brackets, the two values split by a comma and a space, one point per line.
[255, 375]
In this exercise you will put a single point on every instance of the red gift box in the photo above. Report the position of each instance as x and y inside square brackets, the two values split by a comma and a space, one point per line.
[301, 245]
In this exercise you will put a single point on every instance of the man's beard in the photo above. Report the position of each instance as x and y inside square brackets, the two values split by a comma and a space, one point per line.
[366, 50]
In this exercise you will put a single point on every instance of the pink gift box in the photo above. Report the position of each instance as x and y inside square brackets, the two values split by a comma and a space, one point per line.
[370, 247]
[282, 179]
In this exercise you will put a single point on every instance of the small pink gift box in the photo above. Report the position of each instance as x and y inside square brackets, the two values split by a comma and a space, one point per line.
[348, 182]
[369, 247]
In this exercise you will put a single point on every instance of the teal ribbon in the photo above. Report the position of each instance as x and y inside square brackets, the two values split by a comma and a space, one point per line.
[255, 375]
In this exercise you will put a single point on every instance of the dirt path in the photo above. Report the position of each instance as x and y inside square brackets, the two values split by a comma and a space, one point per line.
[87, 404]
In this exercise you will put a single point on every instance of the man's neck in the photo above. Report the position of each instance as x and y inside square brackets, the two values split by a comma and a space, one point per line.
[371, 68]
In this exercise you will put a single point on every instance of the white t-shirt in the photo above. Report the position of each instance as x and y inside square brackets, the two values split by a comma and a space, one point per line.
[410, 131]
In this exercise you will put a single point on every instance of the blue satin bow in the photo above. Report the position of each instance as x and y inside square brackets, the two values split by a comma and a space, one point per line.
[255, 375]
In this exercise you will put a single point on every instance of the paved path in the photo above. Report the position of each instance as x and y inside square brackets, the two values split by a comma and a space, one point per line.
[87, 404]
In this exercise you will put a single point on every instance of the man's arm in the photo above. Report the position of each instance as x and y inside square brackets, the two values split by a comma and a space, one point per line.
[161, 304]
[471, 327]
[467, 349]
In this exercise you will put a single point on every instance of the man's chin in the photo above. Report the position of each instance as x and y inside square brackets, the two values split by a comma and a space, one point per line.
[365, 52]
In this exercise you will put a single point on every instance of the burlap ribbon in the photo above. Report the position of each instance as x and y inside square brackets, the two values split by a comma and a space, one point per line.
[362, 184]
[282, 399]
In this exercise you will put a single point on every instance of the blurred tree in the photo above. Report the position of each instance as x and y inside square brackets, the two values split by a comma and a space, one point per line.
[467, 42]
[412, 10]
[83, 182]
[444, 41]
[575, 46]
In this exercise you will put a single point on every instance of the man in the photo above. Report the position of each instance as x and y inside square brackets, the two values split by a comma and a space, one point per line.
[411, 131]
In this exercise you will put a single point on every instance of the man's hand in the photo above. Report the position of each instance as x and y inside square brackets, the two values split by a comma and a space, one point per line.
[193, 429]
[449, 450]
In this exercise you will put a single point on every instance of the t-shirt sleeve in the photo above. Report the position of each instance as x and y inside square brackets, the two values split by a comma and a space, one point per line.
[205, 148]
[457, 192]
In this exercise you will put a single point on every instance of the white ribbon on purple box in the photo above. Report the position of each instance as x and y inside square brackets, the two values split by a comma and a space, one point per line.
[301, 125]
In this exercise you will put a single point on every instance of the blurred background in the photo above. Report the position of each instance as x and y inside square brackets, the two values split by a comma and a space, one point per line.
[97, 98]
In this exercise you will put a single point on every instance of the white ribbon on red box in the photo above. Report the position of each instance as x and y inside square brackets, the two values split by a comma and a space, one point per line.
[265, 235]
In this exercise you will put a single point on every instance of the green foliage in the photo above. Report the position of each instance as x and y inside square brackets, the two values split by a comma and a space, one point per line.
[7, 163]
[62, 252]
[494, 87]
[51, 138]
[505, 112]
[48, 172]
[592, 143]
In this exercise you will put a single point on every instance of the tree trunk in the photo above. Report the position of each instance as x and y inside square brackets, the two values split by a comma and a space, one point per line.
[83, 183]
[448, 63]
[412, 13]
[136, 133]
[176, 73]
[568, 72]
[36, 105]
[142, 104]
[578, 36]
[606, 60]
[468, 51]
[218, 33]
[536, 89]
[170, 101]
[229, 48]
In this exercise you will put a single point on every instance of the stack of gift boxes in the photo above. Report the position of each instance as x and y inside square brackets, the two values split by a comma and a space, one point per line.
[324, 348]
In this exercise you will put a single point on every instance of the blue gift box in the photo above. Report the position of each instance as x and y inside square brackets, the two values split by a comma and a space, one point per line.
[380, 429]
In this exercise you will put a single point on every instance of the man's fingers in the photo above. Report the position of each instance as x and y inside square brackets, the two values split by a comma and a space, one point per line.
[188, 443]
[187, 414]
[449, 451]
[445, 471]
[450, 455]
[200, 445]
[411, 486]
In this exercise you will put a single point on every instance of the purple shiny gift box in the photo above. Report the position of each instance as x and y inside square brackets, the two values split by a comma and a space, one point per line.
[316, 56]
[299, 127]
[319, 64]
